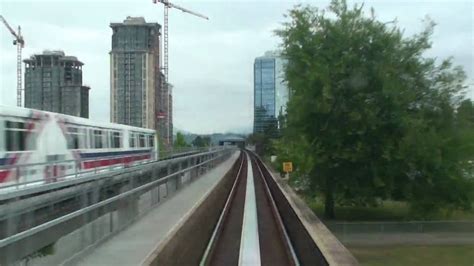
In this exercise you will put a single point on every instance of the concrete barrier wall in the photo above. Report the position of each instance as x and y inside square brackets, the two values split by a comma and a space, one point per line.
[307, 252]
[114, 216]
[313, 243]
[186, 244]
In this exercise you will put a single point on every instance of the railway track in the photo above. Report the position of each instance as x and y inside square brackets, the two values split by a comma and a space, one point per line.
[249, 230]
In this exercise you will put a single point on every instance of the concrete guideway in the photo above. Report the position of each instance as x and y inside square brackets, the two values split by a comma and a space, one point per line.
[132, 245]
[261, 222]
[249, 230]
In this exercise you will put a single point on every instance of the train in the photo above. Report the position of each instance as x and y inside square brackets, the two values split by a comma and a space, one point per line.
[45, 146]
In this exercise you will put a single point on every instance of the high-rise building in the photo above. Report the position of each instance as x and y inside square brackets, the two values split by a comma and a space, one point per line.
[135, 77]
[270, 91]
[165, 112]
[53, 82]
[169, 125]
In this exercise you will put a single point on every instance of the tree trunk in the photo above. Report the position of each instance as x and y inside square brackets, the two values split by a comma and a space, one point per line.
[329, 199]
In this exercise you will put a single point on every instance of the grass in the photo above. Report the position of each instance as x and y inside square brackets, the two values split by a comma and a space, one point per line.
[415, 255]
[388, 211]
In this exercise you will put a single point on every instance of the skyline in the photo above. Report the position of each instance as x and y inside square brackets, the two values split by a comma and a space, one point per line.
[211, 62]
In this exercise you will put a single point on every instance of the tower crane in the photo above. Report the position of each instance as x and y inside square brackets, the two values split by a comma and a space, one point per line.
[168, 5]
[20, 43]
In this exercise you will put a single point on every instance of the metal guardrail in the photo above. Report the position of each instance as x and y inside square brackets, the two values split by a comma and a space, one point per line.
[78, 172]
[165, 180]
[33, 189]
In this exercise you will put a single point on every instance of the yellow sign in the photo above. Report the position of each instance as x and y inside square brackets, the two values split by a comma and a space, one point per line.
[287, 167]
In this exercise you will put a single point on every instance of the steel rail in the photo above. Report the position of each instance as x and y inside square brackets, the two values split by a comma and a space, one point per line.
[276, 214]
[220, 223]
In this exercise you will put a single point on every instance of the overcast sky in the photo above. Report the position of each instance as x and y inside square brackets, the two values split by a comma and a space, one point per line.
[211, 62]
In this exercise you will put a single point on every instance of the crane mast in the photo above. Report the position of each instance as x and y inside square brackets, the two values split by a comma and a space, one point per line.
[168, 5]
[20, 43]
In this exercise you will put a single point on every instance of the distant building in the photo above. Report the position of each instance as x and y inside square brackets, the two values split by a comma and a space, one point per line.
[164, 107]
[135, 72]
[169, 125]
[53, 82]
[270, 91]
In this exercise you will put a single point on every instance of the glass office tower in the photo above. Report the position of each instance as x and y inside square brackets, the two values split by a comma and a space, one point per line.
[270, 91]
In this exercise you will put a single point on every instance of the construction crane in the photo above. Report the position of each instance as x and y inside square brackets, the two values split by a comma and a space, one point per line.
[169, 5]
[20, 43]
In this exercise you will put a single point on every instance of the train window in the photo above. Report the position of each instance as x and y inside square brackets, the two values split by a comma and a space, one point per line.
[97, 138]
[18, 137]
[132, 140]
[142, 141]
[72, 138]
[15, 125]
[151, 141]
[75, 138]
[115, 139]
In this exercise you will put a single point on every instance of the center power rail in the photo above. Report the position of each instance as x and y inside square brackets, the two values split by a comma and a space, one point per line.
[250, 230]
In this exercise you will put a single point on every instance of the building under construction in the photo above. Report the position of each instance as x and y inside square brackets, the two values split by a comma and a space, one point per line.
[164, 107]
[53, 82]
[138, 90]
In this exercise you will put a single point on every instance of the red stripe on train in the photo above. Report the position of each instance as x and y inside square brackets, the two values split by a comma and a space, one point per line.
[108, 162]
[3, 176]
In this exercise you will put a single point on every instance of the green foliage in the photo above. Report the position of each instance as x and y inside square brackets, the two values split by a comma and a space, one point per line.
[387, 211]
[296, 151]
[376, 118]
[204, 141]
[263, 141]
[180, 142]
[419, 255]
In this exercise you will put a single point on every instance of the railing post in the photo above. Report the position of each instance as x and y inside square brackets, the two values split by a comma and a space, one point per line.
[17, 178]
[168, 172]
[158, 198]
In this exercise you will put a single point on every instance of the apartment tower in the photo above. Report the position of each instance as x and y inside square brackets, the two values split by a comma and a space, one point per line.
[53, 82]
[135, 77]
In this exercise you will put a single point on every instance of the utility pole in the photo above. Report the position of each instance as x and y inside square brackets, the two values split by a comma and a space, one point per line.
[20, 43]
[168, 5]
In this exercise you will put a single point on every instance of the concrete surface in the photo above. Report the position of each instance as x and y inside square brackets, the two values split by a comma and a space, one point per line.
[132, 245]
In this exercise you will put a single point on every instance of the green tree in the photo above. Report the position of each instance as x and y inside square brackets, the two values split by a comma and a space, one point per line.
[263, 141]
[180, 142]
[201, 141]
[465, 113]
[376, 115]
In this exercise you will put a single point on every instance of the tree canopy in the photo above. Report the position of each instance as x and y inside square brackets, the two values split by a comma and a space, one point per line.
[180, 142]
[201, 141]
[376, 118]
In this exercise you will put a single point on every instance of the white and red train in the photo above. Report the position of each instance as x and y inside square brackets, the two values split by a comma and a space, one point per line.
[38, 145]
